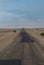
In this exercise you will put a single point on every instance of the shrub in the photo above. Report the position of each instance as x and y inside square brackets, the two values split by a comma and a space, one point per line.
[42, 34]
[14, 31]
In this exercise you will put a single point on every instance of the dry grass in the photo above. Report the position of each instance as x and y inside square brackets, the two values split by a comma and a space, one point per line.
[36, 34]
[6, 38]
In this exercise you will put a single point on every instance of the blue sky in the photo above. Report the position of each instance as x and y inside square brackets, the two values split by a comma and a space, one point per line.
[21, 13]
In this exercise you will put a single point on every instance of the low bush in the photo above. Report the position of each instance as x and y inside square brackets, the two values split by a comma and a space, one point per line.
[14, 30]
[42, 34]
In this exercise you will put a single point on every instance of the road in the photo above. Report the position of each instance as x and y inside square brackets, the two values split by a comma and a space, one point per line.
[22, 51]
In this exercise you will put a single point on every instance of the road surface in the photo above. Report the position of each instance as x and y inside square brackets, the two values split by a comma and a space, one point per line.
[22, 51]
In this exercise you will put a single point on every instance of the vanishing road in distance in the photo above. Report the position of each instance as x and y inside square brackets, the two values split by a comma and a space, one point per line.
[24, 50]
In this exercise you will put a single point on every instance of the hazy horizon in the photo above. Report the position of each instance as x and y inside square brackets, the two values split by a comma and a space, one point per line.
[21, 13]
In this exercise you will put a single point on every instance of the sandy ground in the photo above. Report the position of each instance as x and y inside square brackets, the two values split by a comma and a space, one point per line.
[36, 34]
[7, 38]
[24, 45]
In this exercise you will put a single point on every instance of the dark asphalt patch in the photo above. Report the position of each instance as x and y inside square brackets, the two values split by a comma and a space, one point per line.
[25, 38]
[10, 62]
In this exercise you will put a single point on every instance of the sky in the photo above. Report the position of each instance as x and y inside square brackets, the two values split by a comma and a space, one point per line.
[21, 13]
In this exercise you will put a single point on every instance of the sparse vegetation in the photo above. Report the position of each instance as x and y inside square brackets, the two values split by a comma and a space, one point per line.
[42, 34]
[14, 30]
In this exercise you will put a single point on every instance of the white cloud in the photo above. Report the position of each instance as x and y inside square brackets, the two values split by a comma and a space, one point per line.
[30, 24]
[23, 23]
[5, 14]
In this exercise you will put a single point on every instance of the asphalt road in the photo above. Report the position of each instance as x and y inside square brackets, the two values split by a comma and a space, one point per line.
[22, 51]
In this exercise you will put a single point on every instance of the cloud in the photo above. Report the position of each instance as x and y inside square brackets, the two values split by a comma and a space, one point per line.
[25, 23]
[22, 13]
[10, 14]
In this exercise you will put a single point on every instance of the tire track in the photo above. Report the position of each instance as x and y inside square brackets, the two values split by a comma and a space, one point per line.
[32, 53]
[25, 48]
[8, 52]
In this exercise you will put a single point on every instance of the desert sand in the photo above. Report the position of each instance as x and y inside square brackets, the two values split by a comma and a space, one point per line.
[24, 47]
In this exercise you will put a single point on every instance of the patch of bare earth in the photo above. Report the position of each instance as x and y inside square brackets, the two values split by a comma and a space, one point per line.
[6, 38]
[38, 46]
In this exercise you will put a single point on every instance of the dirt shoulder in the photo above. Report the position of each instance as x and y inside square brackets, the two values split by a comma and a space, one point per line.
[6, 39]
[36, 34]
